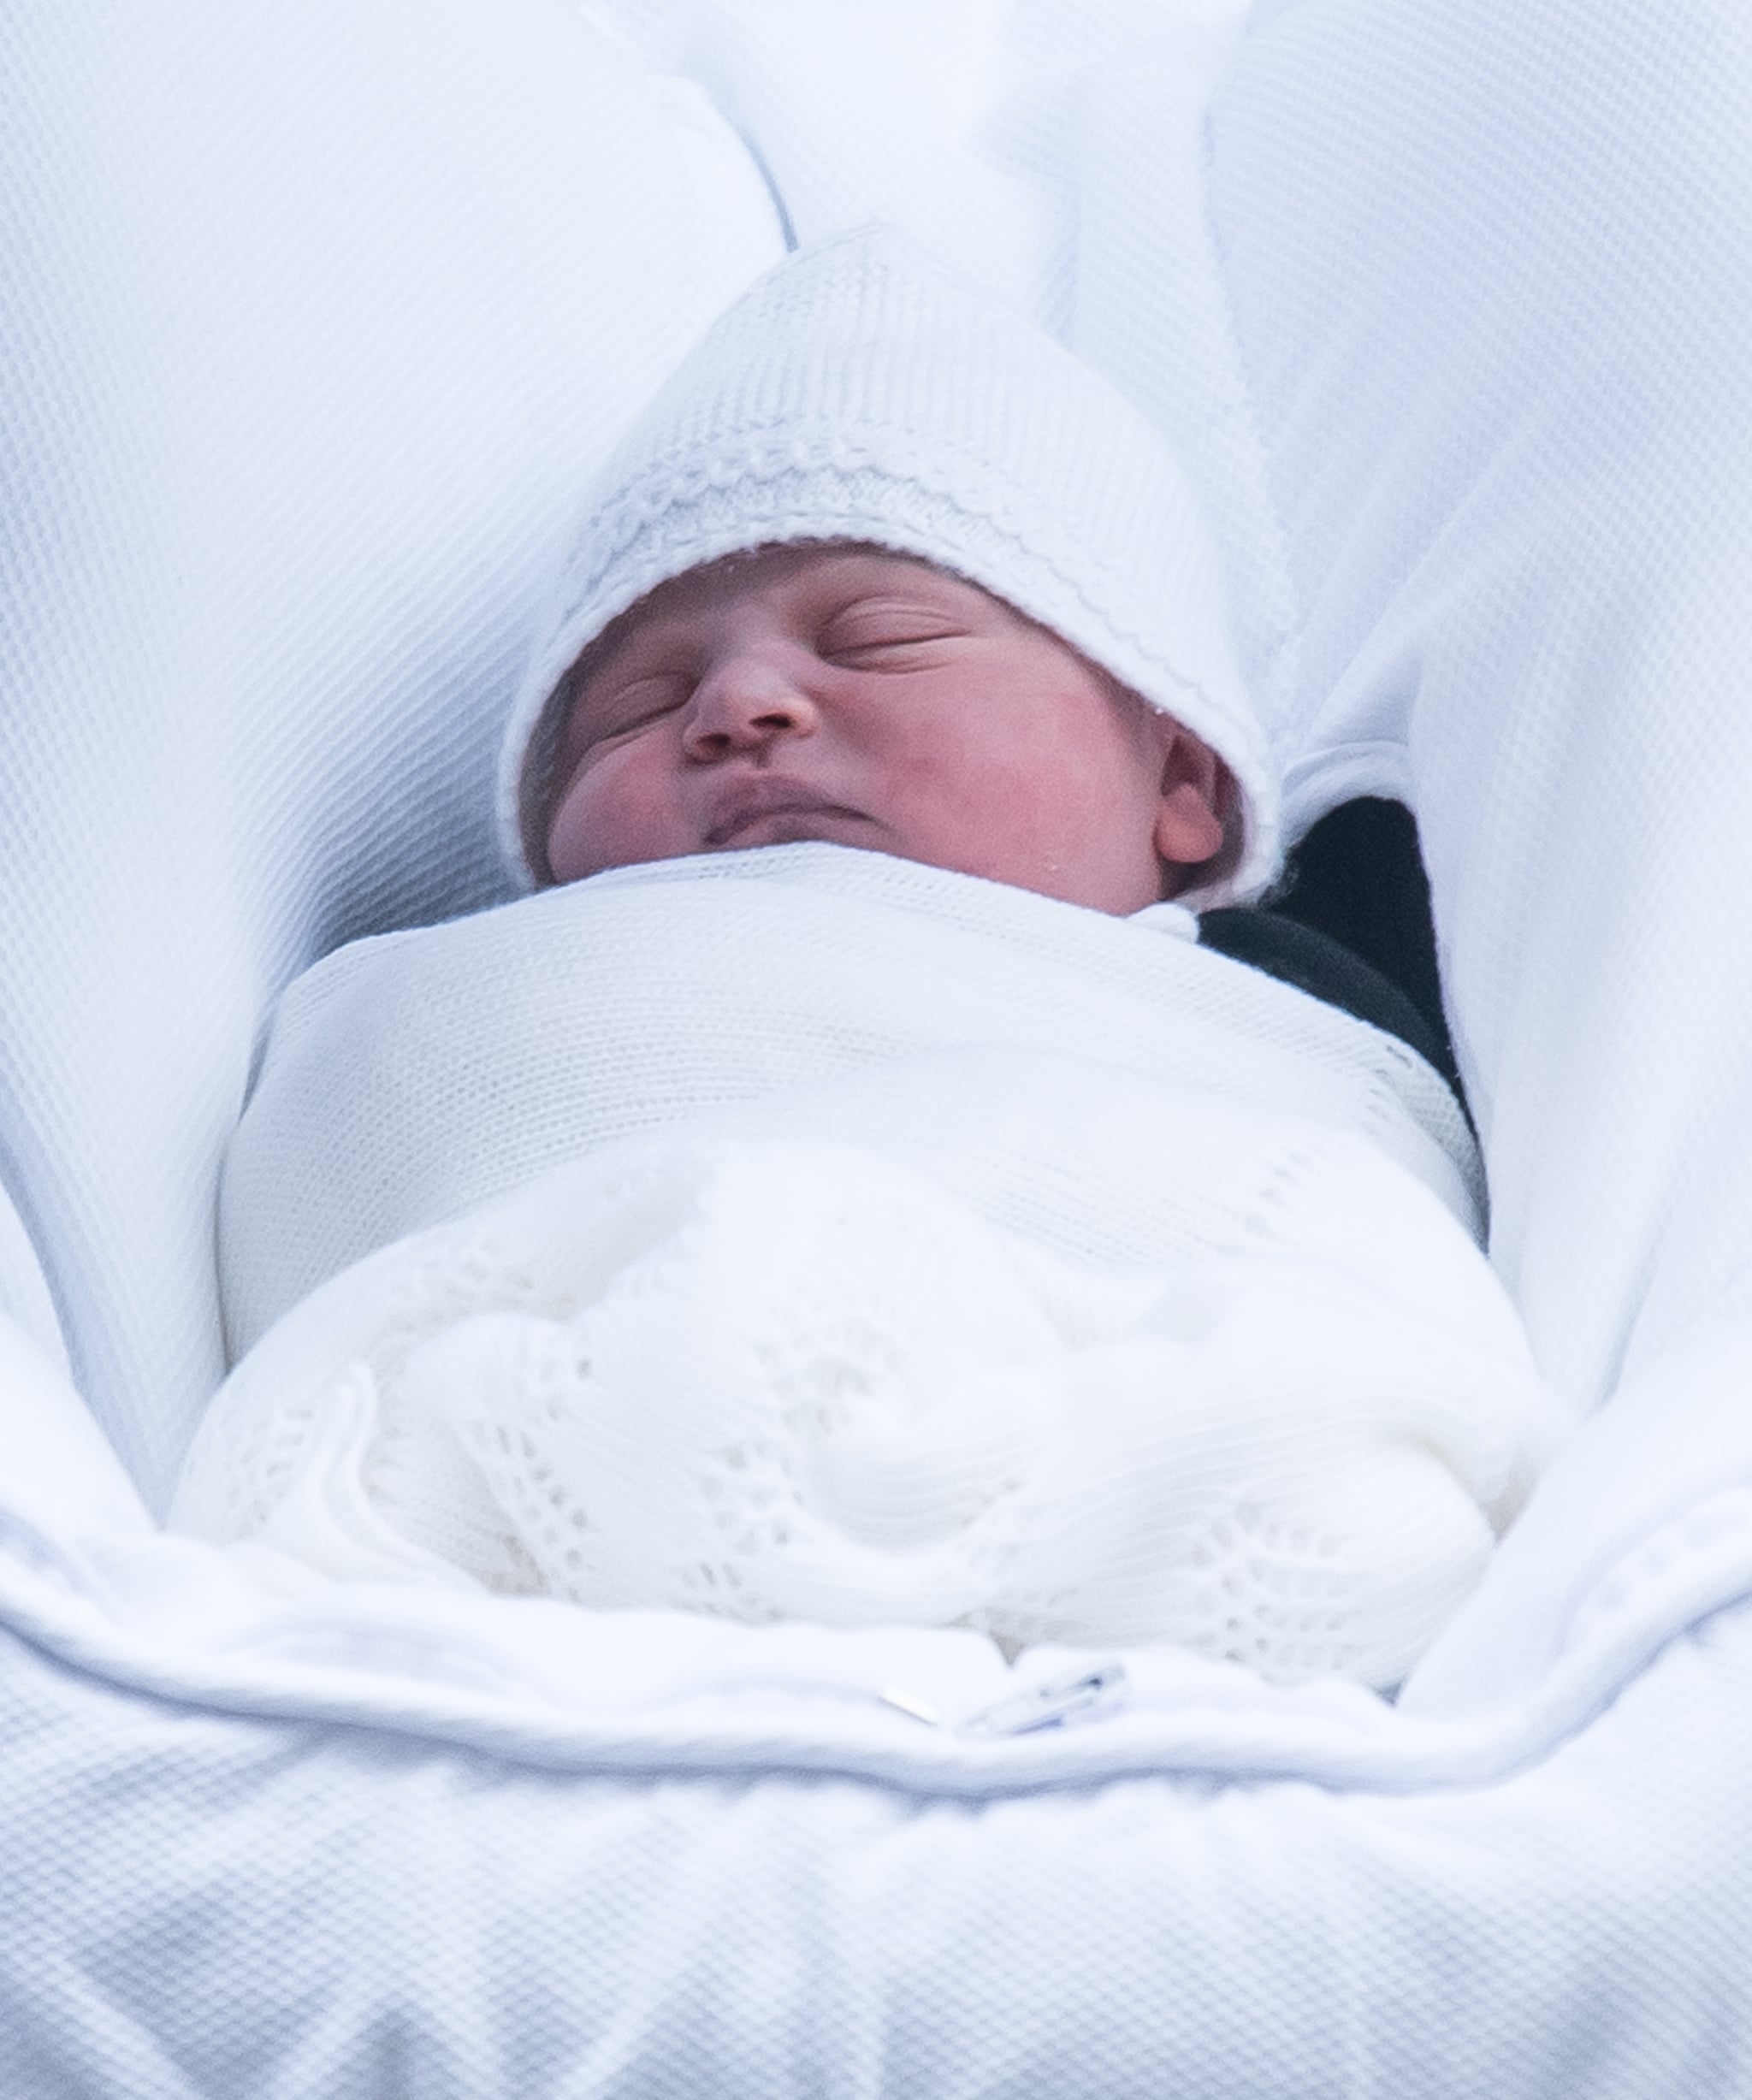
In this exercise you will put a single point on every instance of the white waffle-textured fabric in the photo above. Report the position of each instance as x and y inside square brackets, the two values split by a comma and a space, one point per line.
[784, 1878]
[1516, 476]
[1484, 264]
[860, 391]
[470, 1925]
[313, 320]
[921, 1252]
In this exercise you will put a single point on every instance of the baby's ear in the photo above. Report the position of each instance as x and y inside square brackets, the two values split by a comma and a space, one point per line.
[1198, 793]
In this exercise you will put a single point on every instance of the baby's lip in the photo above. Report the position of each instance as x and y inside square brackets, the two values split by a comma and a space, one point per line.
[747, 803]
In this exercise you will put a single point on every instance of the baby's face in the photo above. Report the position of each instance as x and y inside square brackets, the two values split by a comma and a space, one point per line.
[845, 694]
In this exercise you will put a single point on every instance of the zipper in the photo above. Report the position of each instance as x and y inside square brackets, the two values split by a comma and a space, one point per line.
[1059, 1702]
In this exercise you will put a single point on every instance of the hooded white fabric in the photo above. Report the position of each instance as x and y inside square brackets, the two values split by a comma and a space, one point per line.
[860, 391]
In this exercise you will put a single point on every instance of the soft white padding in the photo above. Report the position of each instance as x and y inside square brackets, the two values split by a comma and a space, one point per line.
[1487, 265]
[24, 1289]
[210, 1901]
[953, 119]
[314, 315]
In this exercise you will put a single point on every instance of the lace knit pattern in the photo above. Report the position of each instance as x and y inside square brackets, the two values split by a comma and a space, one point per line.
[928, 1333]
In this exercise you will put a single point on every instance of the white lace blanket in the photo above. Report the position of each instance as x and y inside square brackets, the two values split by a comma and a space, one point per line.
[806, 1234]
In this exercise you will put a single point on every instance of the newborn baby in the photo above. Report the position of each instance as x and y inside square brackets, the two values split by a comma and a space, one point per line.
[848, 1189]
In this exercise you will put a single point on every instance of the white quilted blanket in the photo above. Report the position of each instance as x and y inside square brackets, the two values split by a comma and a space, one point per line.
[809, 1234]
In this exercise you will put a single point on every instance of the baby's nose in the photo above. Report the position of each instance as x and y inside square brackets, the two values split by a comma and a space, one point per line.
[744, 702]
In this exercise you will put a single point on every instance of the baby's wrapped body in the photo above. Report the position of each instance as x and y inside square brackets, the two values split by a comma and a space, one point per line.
[808, 1232]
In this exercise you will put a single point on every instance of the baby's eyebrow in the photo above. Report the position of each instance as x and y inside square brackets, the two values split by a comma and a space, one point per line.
[901, 601]
[628, 636]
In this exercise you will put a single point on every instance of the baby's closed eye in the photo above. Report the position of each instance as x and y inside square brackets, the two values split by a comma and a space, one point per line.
[889, 635]
[635, 705]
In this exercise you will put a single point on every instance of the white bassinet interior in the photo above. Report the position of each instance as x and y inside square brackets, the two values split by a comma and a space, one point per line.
[316, 315]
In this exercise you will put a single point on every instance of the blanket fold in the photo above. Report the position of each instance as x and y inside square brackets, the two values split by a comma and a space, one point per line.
[804, 1234]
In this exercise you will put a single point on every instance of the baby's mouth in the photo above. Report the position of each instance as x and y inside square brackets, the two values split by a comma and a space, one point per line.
[776, 813]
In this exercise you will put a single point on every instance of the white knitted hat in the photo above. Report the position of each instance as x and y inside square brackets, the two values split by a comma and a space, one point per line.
[860, 391]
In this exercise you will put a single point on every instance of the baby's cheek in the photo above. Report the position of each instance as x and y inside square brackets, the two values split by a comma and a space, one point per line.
[613, 815]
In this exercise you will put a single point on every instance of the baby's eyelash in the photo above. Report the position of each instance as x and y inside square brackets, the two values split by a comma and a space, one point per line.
[885, 642]
[879, 622]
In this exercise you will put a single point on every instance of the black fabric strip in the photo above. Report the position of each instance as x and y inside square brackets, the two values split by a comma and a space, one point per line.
[1358, 876]
[1316, 963]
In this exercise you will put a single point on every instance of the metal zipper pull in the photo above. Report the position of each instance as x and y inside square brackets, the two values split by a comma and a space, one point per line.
[1060, 1703]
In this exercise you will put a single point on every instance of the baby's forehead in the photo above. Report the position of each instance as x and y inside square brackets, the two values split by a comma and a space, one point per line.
[811, 571]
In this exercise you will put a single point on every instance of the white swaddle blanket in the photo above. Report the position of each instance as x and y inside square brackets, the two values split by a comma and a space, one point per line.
[803, 1233]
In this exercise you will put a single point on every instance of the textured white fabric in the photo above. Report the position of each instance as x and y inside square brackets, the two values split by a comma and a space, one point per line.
[1438, 1902]
[1055, 1278]
[1486, 265]
[860, 391]
[951, 119]
[414, 1074]
[24, 1289]
[1520, 500]
[313, 319]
